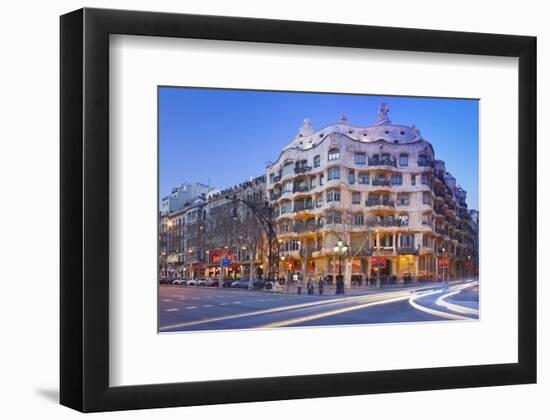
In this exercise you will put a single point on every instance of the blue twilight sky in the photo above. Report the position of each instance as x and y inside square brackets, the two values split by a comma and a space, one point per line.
[223, 137]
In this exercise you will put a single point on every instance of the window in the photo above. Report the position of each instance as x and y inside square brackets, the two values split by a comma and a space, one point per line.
[413, 179]
[351, 177]
[424, 179]
[333, 173]
[426, 219]
[313, 182]
[407, 241]
[288, 168]
[319, 201]
[359, 219]
[334, 154]
[363, 178]
[425, 241]
[287, 186]
[360, 158]
[403, 160]
[397, 179]
[426, 199]
[316, 161]
[294, 245]
[285, 208]
[334, 218]
[356, 198]
[403, 199]
[321, 177]
[333, 195]
[403, 219]
[422, 160]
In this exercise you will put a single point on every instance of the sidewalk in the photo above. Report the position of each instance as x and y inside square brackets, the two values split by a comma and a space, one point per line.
[357, 290]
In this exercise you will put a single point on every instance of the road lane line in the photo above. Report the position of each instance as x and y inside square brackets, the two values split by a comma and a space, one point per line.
[236, 303]
[190, 307]
[167, 300]
[325, 302]
[171, 309]
[206, 306]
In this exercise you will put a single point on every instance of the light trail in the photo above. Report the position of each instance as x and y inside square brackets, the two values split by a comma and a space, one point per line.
[441, 314]
[328, 302]
[313, 317]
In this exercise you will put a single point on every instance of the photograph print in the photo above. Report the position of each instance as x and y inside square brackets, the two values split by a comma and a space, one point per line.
[283, 209]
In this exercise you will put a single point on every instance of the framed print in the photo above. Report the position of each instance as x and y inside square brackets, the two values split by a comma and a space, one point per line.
[257, 210]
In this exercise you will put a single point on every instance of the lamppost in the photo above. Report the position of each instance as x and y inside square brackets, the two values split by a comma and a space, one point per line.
[266, 220]
[445, 263]
[191, 273]
[378, 254]
[340, 249]
[469, 267]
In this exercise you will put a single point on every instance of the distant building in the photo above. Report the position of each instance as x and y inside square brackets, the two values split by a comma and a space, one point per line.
[182, 196]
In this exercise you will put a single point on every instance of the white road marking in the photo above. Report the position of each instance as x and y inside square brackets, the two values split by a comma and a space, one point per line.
[172, 309]
[167, 300]
[223, 304]
[236, 303]
[454, 307]
[412, 302]
[206, 306]
[190, 307]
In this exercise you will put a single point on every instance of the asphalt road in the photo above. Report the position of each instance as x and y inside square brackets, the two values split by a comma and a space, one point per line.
[191, 308]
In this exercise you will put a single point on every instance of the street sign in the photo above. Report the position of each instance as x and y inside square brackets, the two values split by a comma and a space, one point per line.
[226, 262]
[443, 262]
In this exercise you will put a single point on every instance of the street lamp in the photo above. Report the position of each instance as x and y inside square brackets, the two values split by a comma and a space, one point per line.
[340, 249]
[445, 263]
[378, 261]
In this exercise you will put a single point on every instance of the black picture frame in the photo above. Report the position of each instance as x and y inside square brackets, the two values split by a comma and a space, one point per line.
[84, 127]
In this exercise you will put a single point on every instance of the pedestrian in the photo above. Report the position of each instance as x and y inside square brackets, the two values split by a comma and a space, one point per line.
[310, 287]
[321, 285]
[298, 285]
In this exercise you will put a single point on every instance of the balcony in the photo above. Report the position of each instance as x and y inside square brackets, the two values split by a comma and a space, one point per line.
[426, 163]
[373, 202]
[381, 182]
[303, 207]
[302, 169]
[300, 227]
[439, 211]
[407, 250]
[385, 222]
[277, 178]
[300, 188]
[389, 161]
[275, 196]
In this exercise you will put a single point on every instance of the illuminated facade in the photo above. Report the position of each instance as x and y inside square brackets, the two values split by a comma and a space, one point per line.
[381, 191]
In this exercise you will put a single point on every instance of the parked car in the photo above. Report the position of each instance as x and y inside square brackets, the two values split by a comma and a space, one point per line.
[243, 283]
[202, 282]
[191, 282]
[227, 282]
[258, 283]
[212, 282]
[235, 283]
[180, 281]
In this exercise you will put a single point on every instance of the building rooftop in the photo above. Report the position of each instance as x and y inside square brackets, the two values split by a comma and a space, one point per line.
[383, 129]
